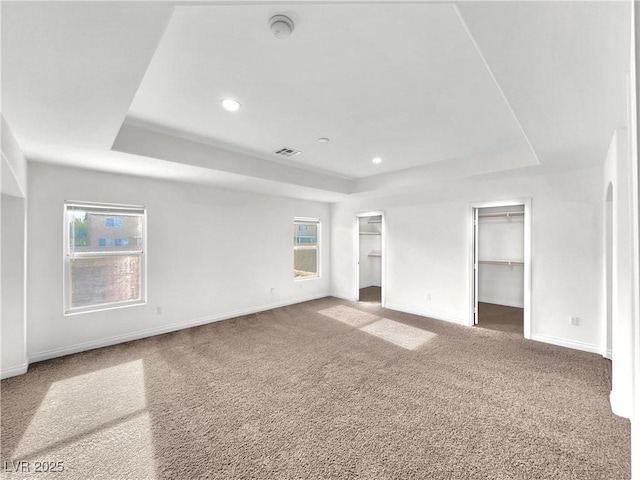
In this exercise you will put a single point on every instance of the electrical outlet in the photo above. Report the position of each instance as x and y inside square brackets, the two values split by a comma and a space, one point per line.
[574, 321]
[159, 311]
[428, 297]
[272, 290]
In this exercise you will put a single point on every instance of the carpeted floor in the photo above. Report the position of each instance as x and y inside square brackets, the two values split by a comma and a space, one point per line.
[370, 294]
[501, 318]
[323, 389]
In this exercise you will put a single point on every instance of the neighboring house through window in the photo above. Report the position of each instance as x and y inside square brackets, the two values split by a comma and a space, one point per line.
[306, 248]
[105, 256]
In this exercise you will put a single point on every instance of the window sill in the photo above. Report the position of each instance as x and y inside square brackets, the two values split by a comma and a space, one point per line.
[102, 308]
[305, 279]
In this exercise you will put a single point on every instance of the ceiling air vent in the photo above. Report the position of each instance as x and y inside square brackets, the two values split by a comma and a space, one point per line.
[287, 152]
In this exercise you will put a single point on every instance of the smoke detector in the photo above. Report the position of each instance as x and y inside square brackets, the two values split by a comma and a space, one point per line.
[281, 26]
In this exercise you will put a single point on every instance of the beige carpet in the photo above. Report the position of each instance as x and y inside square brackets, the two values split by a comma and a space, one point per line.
[324, 389]
[370, 294]
[501, 318]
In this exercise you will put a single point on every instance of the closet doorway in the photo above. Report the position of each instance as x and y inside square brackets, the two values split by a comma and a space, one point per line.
[501, 293]
[369, 257]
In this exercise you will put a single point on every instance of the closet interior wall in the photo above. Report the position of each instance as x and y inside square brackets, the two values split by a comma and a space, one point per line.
[501, 256]
[370, 237]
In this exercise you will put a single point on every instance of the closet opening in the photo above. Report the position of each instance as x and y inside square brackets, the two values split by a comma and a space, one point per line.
[500, 266]
[369, 258]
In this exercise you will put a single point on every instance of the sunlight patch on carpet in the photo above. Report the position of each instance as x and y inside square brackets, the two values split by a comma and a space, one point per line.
[399, 334]
[348, 315]
[103, 411]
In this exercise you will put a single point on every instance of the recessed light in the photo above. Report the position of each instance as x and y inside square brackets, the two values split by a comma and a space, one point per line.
[376, 160]
[323, 140]
[230, 105]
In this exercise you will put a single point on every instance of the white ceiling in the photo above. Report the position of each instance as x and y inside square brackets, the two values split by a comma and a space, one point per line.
[403, 82]
[437, 90]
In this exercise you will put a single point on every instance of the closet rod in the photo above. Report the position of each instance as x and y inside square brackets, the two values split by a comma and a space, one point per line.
[501, 214]
[501, 262]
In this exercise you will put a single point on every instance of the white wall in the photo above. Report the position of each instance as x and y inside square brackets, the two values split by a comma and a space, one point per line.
[13, 357]
[501, 239]
[428, 249]
[617, 173]
[212, 254]
[12, 276]
[14, 164]
[634, 125]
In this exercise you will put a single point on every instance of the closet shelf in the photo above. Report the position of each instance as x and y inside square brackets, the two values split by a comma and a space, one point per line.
[377, 220]
[370, 233]
[501, 214]
[509, 263]
[375, 253]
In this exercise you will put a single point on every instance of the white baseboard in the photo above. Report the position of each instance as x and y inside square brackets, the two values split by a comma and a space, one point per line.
[105, 342]
[426, 313]
[620, 407]
[13, 371]
[563, 342]
[343, 297]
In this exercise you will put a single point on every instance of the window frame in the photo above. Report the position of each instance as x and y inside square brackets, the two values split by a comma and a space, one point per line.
[318, 223]
[109, 208]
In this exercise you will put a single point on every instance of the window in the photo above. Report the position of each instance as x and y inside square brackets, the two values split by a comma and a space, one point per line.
[306, 248]
[104, 256]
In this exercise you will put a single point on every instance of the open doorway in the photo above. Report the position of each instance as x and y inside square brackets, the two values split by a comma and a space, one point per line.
[500, 266]
[369, 258]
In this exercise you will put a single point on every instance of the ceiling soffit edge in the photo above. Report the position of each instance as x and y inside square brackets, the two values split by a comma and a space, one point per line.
[137, 140]
[495, 81]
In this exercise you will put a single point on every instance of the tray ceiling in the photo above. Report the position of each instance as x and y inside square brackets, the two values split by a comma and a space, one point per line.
[437, 90]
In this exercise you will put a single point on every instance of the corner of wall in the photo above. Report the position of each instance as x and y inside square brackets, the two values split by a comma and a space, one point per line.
[13, 255]
[14, 163]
